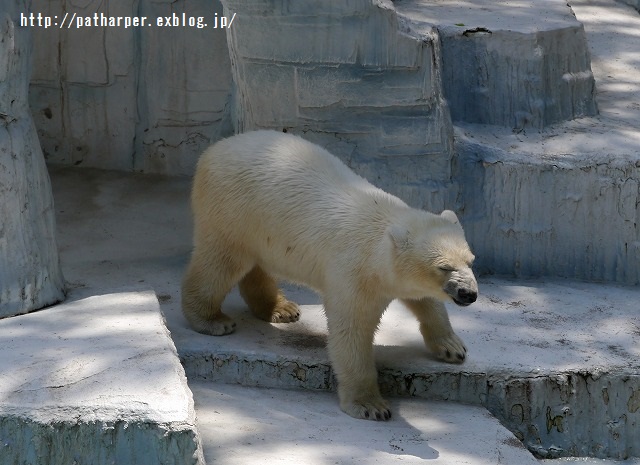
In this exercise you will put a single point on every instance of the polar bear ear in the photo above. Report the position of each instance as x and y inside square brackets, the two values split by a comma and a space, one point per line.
[399, 236]
[450, 216]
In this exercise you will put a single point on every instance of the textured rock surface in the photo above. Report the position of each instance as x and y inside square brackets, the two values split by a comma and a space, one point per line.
[556, 214]
[510, 64]
[95, 380]
[30, 275]
[367, 81]
[146, 99]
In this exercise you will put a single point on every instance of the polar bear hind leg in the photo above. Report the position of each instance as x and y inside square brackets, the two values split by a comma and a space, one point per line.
[211, 274]
[267, 302]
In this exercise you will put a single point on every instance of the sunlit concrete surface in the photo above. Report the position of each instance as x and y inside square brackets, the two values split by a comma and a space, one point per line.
[246, 426]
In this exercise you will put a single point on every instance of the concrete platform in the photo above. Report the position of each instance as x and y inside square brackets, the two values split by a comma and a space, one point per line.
[557, 363]
[94, 380]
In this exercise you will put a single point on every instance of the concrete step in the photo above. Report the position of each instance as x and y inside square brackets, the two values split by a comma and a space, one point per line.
[95, 380]
[247, 426]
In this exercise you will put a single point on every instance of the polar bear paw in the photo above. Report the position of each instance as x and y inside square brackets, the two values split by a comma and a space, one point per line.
[285, 311]
[449, 348]
[376, 409]
[220, 325]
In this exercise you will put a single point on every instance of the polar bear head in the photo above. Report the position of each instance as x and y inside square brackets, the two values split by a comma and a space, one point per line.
[432, 258]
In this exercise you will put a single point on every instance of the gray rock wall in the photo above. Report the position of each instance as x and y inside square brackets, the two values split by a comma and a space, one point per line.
[30, 275]
[146, 99]
[369, 80]
[633, 3]
[150, 99]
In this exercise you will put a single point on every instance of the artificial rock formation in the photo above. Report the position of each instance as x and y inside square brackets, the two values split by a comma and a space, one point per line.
[30, 275]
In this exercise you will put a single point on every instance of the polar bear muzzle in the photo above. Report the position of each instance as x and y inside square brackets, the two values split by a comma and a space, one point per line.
[462, 287]
[465, 297]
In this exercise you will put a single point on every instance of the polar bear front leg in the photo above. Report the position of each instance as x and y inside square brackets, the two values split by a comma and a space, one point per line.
[436, 330]
[350, 346]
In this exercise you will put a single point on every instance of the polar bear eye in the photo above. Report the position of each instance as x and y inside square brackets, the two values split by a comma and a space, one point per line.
[446, 269]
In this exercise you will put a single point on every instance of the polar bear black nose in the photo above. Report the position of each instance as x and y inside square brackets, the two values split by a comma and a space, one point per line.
[466, 296]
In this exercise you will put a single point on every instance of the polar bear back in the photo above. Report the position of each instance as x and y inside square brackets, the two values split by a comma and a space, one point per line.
[288, 203]
[281, 162]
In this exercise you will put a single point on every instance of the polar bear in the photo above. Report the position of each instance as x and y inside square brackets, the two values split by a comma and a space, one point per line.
[270, 205]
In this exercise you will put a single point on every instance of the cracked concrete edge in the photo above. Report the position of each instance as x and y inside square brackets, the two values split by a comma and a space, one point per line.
[29, 441]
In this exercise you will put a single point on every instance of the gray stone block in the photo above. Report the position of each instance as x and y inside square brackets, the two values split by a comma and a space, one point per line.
[528, 214]
[95, 380]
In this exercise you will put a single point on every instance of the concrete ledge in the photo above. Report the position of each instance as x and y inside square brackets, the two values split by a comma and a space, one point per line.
[95, 380]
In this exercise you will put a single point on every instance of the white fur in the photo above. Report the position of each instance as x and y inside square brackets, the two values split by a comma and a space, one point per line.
[285, 208]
